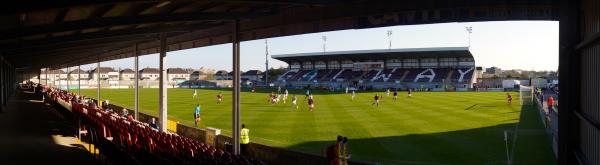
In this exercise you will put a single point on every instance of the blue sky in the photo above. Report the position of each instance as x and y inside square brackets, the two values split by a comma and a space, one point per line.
[509, 45]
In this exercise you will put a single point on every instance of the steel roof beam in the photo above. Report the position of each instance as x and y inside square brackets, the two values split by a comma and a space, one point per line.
[24, 6]
[125, 20]
[114, 35]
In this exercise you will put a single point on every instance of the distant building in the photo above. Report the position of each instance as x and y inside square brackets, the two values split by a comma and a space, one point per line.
[478, 72]
[127, 74]
[74, 75]
[493, 70]
[150, 73]
[252, 75]
[222, 75]
[53, 75]
[175, 74]
[106, 73]
[189, 70]
[198, 75]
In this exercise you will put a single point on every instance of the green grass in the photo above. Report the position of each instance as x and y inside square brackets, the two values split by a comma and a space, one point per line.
[429, 128]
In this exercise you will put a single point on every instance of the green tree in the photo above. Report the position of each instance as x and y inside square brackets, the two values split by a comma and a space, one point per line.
[275, 73]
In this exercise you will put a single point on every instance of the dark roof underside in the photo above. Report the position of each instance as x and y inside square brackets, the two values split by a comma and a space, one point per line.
[36, 34]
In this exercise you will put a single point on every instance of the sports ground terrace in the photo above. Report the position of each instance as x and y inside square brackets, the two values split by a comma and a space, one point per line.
[53, 35]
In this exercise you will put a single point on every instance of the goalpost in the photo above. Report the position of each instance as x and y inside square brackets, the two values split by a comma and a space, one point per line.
[525, 95]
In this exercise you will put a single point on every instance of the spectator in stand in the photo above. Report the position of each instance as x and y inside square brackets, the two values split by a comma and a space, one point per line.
[124, 112]
[93, 105]
[153, 124]
[331, 151]
[337, 150]
[106, 102]
[344, 152]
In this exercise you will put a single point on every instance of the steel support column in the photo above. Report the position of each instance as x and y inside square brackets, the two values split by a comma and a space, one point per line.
[98, 80]
[2, 81]
[569, 81]
[59, 83]
[46, 72]
[54, 78]
[39, 75]
[79, 79]
[6, 82]
[236, 89]
[162, 102]
[12, 80]
[136, 76]
[68, 75]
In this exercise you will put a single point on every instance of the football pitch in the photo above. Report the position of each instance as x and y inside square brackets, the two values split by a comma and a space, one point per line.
[427, 128]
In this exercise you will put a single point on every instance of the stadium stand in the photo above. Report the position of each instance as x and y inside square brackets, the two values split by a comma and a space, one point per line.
[385, 68]
[129, 141]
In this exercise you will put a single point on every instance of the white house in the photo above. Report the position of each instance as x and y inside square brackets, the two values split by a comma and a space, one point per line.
[106, 73]
[198, 75]
[149, 73]
[127, 74]
[74, 75]
[53, 75]
[175, 74]
[252, 75]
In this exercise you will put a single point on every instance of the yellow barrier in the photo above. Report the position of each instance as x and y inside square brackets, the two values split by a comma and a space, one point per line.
[172, 125]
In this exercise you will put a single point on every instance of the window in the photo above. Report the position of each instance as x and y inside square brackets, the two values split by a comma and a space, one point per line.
[333, 65]
[410, 63]
[307, 65]
[448, 62]
[466, 59]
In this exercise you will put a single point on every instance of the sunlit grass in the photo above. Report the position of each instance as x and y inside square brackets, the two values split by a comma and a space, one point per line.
[429, 127]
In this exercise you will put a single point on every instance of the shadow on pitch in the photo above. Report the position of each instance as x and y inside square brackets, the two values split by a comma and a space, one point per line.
[483, 145]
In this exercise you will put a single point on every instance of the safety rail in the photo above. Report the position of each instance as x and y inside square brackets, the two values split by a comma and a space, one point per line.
[550, 121]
